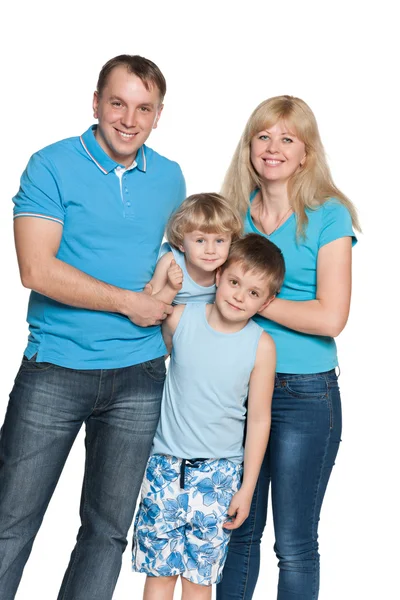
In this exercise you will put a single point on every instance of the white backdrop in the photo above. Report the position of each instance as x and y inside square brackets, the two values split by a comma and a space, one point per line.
[220, 60]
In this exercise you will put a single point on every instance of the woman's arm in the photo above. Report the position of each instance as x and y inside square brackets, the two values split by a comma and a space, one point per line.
[328, 313]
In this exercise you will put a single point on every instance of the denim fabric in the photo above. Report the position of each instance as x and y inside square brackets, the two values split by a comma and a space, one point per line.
[305, 436]
[48, 404]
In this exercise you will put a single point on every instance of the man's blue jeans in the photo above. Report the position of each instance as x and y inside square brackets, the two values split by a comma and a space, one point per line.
[48, 404]
[305, 436]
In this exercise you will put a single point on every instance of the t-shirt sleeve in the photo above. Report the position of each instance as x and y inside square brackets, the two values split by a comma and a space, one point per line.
[336, 223]
[39, 193]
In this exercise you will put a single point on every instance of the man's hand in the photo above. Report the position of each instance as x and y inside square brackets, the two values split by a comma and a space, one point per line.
[174, 276]
[239, 509]
[145, 310]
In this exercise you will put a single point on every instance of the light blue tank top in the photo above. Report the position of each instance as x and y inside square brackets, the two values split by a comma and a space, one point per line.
[203, 406]
[191, 291]
[300, 352]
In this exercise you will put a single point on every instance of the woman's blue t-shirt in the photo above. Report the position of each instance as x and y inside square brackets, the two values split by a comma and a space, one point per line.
[300, 352]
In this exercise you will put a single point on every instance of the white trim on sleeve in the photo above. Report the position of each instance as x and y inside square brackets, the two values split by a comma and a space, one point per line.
[39, 216]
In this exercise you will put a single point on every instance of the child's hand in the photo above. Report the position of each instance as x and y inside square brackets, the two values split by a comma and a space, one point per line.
[175, 276]
[239, 509]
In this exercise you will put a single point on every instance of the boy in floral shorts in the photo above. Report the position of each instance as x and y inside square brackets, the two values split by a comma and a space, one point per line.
[193, 493]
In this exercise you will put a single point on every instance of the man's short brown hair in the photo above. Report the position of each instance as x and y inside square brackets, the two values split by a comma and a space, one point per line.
[145, 69]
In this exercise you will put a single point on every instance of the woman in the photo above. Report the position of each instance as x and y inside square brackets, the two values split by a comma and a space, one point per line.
[280, 167]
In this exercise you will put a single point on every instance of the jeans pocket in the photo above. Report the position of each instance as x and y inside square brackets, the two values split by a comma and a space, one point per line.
[30, 365]
[155, 368]
[303, 388]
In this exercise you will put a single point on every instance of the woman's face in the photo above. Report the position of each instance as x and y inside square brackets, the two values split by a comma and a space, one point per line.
[276, 153]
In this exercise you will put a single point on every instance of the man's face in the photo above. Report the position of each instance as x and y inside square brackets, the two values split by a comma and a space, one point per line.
[127, 113]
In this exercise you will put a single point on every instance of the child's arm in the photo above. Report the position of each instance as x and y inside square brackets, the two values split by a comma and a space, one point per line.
[261, 388]
[167, 279]
[170, 324]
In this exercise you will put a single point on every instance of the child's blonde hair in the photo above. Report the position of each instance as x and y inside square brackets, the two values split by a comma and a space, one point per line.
[210, 213]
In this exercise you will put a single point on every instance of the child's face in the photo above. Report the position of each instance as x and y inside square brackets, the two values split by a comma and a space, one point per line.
[241, 294]
[206, 251]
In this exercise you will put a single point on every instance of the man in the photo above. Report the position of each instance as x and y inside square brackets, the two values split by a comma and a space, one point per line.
[89, 219]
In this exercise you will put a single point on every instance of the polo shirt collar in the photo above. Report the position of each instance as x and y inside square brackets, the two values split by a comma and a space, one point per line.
[101, 158]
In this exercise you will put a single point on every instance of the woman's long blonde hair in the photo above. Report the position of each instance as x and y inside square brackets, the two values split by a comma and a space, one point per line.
[310, 186]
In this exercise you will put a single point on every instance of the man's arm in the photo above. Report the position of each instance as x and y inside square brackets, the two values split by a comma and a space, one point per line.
[261, 388]
[167, 279]
[37, 242]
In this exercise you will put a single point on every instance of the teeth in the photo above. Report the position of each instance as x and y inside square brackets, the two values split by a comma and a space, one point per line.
[126, 135]
[273, 162]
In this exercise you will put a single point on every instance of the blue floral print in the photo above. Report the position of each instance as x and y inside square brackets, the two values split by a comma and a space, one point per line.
[181, 531]
[218, 488]
[175, 510]
[160, 472]
[204, 526]
[150, 511]
[175, 561]
[149, 543]
[202, 558]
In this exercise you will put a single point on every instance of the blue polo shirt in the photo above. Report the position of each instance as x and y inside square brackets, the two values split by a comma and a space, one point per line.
[113, 223]
[302, 352]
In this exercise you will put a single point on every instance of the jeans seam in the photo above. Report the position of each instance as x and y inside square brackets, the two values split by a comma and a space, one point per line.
[99, 390]
[77, 553]
[323, 461]
[329, 402]
[250, 545]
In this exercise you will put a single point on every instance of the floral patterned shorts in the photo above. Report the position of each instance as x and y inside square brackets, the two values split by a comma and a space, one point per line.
[179, 525]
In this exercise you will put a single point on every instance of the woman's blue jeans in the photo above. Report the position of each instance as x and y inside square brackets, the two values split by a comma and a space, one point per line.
[47, 407]
[305, 436]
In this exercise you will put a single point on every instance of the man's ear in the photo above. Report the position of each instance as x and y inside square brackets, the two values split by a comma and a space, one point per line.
[266, 303]
[158, 115]
[95, 104]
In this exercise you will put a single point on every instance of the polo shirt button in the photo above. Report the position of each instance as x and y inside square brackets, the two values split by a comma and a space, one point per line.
[128, 203]
[126, 190]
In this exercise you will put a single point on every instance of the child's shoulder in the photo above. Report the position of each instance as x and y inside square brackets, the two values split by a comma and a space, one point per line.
[165, 250]
[165, 258]
[178, 311]
[171, 323]
[193, 312]
[265, 348]
[168, 252]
